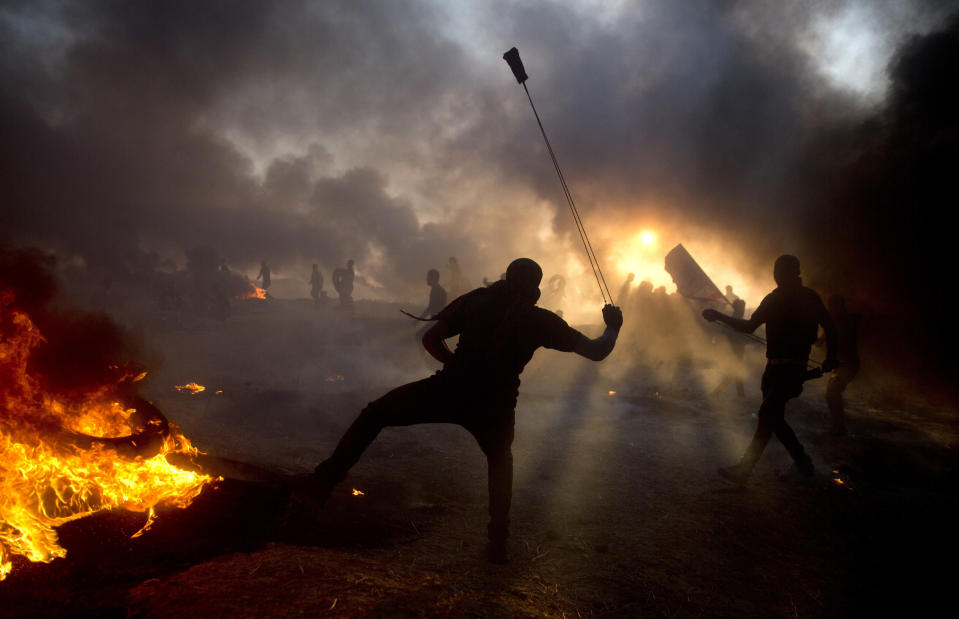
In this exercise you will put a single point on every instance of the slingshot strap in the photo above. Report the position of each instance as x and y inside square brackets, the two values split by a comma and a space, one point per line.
[417, 317]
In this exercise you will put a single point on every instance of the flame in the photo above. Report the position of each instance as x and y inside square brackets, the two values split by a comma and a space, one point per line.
[611, 392]
[358, 492]
[836, 479]
[63, 459]
[193, 388]
[255, 292]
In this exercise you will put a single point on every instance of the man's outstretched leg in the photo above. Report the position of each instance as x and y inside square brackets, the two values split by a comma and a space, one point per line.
[419, 402]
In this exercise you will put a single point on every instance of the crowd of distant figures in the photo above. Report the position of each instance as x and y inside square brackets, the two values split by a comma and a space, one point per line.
[662, 330]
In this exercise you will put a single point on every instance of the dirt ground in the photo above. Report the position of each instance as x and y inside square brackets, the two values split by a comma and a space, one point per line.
[617, 508]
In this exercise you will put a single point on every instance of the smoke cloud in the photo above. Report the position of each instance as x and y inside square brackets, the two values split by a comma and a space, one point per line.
[394, 135]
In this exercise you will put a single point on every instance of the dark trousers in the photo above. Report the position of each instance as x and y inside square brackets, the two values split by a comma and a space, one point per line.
[780, 384]
[438, 399]
[837, 384]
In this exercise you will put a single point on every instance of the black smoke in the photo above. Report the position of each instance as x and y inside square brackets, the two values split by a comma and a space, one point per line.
[393, 134]
[887, 222]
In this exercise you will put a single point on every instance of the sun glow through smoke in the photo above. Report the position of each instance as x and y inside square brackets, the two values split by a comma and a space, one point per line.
[640, 252]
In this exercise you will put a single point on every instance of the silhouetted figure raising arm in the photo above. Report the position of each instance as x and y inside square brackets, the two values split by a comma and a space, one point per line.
[792, 314]
[599, 348]
[499, 329]
[595, 349]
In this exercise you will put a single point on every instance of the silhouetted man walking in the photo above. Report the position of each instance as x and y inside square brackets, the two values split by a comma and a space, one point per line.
[792, 314]
[499, 329]
[264, 274]
[343, 284]
[436, 303]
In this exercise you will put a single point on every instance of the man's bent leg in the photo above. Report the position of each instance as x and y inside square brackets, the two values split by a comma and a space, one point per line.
[770, 411]
[788, 438]
[418, 402]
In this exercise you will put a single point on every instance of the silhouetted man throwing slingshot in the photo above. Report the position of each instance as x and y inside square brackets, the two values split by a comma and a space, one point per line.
[499, 329]
[792, 314]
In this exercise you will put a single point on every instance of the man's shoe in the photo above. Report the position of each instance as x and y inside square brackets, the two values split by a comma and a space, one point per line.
[313, 490]
[736, 474]
[323, 480]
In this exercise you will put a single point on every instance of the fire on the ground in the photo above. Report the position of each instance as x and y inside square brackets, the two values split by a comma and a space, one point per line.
[60, 457]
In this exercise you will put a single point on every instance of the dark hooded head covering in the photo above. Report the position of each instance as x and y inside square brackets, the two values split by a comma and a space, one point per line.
[523, 277]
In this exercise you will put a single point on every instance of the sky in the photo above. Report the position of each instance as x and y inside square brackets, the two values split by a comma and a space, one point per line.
[394, 134]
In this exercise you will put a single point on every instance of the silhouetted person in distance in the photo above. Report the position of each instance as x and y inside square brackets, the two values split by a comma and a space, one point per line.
[264, 274]
[499, 329]
[436, 303]
[738, 346]
[847, 324]
[730, 295]
[343, 284]
[792, 314]
[223, 267]
[316, 284]
[437, 295]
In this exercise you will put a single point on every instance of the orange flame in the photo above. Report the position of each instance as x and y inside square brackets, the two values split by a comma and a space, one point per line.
[63, 459]
[193, 388]
[255, 292]
[358, 492]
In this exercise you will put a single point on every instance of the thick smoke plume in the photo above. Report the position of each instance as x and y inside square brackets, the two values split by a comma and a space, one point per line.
[393, 135]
